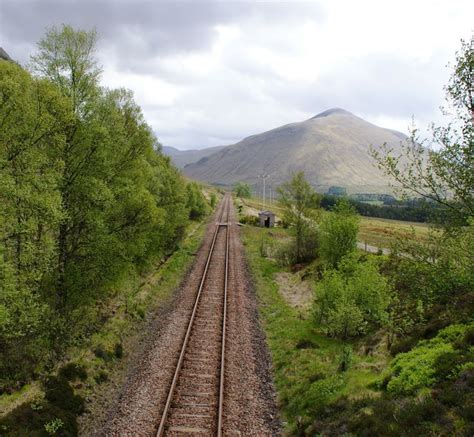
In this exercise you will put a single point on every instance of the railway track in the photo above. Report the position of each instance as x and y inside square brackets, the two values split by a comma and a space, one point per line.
[194, 405]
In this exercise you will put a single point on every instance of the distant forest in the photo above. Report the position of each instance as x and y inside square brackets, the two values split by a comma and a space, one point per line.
[413, 210]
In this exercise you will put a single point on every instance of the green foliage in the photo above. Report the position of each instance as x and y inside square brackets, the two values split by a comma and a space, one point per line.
[301, 204]
[242, 189]
[249, 220]
[54, 426]
[444, 174]
[87, 199]
[338, 236]
[196, 202]
[436, 272]
[345, 359]
[431, 361]
[66, 57]
[213, 200]
[305, 362]
[350, 300]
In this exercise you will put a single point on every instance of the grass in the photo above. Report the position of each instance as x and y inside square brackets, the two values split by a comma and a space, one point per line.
[383, 232]
[26, 412]
[306, 362]
[376, 232]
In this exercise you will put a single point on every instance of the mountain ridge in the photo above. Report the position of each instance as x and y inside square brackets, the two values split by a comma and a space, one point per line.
[331, 148]
[182, 158]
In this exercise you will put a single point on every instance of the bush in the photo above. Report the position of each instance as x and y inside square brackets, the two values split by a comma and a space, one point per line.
[103, 354]
[349, 300]
[242, 189]
[289, 255]
[213, 200]
[249, 220]
[338, 233]
[345, 360]
[429, 362]
[196, 202]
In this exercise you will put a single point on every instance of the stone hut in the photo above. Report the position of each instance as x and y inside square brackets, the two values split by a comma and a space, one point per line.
[266, 219]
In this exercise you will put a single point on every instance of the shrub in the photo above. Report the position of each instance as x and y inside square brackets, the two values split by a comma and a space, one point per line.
[289, 254]
[429, 362]
[101, 376]
[249, 220]
[213, 200]
[242, 189]
[338, 233]
[52, 427]
[195, 202]
[349, 300]
[103, 354]
[345, 359]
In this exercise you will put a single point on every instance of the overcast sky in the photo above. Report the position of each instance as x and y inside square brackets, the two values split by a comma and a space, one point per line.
[212, 72]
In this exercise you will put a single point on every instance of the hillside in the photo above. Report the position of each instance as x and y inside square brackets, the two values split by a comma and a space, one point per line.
[331, 148]
[181, 158]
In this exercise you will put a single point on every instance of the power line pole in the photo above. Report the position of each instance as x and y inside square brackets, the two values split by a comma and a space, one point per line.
[264, 177]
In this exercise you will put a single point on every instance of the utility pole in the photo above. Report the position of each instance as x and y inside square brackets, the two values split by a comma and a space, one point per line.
[264, 177]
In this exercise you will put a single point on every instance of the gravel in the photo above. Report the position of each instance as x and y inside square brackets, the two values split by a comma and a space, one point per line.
[249, 396]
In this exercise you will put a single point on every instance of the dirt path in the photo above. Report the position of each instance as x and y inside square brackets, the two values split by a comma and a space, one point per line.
[249, 399]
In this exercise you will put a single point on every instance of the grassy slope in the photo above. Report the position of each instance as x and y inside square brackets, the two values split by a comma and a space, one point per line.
[26, 412]
[305, 361]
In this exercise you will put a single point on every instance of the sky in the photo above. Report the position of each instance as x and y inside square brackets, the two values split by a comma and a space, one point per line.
[210, 73]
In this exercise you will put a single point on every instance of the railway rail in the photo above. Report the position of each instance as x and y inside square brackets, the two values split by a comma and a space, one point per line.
[195, 400]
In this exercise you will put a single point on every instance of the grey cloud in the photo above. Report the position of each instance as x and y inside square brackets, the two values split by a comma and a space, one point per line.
[138, 30]
[242, 96]
[394, 86]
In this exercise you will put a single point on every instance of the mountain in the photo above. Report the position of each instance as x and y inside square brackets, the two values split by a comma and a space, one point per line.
[181, 158]
[4, 55]
[331, 148]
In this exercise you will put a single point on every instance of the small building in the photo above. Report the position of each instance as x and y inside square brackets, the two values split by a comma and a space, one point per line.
[266, 219]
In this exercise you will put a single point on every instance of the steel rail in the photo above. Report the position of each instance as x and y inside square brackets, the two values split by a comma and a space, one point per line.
[164, 416]
[224, 322]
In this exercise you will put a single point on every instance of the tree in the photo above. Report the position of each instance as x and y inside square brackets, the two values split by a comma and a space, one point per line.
[352, 299]
[88, 199]
[196, 203]
[338, 236]
[242, 190]
[33, 115]
[66, 57]
[301, 204]
[444, 175]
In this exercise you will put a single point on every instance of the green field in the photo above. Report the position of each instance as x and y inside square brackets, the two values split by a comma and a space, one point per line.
[383, 232]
